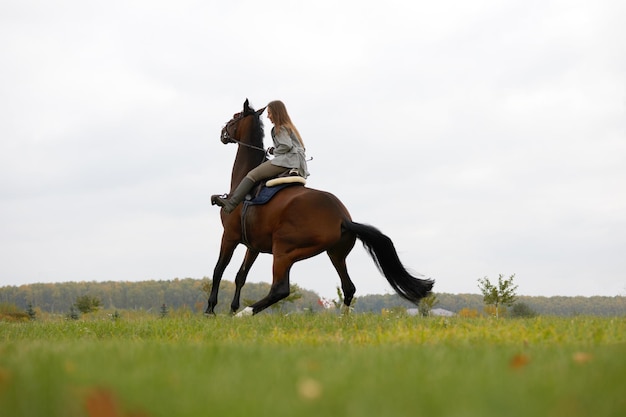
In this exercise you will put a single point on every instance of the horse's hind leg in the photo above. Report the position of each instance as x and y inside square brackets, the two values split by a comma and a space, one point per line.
[347, 286]
[241, 276]
[280, 286]
[337, 256]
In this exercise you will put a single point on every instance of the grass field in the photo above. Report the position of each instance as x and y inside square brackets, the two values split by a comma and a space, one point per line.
[313, 365]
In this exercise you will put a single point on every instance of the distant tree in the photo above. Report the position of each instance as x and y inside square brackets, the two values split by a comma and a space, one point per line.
[500, 295]
[32, 314]
[87, 304]
[426, 304]
[522, 310]
[207, 285]
[164, 311]
[115, 316]
[73, 314]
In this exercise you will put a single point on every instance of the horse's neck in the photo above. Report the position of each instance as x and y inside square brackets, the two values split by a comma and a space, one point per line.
[246, 160]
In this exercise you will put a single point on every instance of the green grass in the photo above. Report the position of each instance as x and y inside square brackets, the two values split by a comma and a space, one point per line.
[314, 365]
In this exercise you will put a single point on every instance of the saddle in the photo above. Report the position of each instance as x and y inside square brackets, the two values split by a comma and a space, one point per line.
[263, 195]
[264, 192]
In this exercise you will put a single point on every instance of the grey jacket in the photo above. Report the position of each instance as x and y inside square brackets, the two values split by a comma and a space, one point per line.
[288, 151]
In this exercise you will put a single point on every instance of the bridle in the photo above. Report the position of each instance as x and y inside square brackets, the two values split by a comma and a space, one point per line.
[227, 138]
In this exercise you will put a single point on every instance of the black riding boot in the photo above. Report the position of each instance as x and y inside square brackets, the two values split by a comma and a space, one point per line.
[229, 204]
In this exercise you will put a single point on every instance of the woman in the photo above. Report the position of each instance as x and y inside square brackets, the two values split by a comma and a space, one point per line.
[288, 151]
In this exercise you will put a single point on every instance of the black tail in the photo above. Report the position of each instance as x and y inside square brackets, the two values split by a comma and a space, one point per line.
[384, 254]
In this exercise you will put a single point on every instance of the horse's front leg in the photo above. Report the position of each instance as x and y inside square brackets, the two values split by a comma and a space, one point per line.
[226, 254]
[240, 279]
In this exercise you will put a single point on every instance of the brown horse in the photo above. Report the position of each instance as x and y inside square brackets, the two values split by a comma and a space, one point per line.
[296, 224]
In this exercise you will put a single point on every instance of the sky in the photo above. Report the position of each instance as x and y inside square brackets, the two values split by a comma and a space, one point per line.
[483, 137]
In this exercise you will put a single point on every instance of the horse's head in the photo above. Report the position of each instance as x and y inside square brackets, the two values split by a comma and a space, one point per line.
[238, 129]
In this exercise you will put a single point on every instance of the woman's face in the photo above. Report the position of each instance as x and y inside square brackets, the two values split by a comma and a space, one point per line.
[269, 115]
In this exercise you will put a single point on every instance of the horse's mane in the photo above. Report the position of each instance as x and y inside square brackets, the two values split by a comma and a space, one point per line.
[257, 132]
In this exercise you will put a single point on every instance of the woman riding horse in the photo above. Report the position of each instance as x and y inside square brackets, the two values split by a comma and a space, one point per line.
[295, 224]
[288, 151]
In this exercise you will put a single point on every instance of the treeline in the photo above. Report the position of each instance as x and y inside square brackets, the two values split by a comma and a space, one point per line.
[551, 306]
[59, 298]
[191, 293]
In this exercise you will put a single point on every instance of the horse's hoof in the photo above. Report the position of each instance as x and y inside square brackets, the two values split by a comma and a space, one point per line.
[245, 312]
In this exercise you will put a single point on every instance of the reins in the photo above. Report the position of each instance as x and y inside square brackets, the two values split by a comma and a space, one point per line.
[229, 138]
[247, 144]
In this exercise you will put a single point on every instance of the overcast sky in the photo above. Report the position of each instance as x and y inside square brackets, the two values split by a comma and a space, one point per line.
[484, 137]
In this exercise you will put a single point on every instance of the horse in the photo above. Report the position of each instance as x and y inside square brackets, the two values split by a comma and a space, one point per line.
[296, 224]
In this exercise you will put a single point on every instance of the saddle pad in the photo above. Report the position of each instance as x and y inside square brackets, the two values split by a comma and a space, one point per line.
[266, 194]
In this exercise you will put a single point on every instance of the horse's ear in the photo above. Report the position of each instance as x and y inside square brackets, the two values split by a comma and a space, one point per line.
[246, 106]
[260, 111]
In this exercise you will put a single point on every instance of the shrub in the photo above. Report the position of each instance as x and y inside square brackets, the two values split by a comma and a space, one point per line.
[522, 310]
[10, 312]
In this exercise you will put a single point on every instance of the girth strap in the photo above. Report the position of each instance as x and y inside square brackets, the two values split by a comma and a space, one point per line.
[263, 197]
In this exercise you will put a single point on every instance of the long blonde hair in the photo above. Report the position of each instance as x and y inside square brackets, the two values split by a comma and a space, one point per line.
[282, 119]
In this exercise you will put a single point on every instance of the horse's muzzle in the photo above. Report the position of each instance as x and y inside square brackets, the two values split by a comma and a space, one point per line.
[225, 137]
